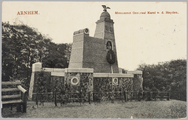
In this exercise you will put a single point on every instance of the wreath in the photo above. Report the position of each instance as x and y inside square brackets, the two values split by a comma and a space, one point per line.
[115, 81]
[110, 57]
[74, 81]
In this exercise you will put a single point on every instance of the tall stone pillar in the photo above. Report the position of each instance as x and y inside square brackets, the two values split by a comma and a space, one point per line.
[105, 30]
[91, 52]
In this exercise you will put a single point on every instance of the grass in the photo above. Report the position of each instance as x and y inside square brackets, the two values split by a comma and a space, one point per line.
[118, 109]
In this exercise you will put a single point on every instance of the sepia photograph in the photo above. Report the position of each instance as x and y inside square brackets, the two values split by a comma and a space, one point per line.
[94, 60]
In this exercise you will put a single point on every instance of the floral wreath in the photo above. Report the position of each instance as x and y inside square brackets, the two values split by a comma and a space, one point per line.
[110, 57]
[115, 81]
[73, 81]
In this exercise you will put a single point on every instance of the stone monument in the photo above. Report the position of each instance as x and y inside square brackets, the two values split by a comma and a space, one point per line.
[98, 52]
[93, 66]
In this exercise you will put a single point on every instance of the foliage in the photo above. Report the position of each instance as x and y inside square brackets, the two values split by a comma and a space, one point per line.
[22, 46]
[59, 91]
[58, 56]
[167, 76]
[124, 71]
[43, 85]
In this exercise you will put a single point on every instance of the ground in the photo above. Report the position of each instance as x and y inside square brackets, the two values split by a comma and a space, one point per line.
[118, 109]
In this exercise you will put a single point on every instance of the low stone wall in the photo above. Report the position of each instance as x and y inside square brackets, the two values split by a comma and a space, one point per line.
[80, 82]
[137, 83]
[86, 82]
[108, 85]
[42, 84]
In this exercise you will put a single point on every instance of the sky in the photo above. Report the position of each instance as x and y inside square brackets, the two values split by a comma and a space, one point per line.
[140, 38]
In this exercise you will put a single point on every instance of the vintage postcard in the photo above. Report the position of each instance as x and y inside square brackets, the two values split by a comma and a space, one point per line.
[94, 59]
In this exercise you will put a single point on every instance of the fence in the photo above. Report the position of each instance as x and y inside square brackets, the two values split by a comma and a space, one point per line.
[131, 95]
[82, 97]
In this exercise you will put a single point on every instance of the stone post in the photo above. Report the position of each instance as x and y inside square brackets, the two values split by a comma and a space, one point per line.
[36, 67]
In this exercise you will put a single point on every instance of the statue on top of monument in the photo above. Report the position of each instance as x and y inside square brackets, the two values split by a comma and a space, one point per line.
[104, 6]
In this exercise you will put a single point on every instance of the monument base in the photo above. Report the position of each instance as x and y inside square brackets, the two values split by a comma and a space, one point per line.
[86, 81]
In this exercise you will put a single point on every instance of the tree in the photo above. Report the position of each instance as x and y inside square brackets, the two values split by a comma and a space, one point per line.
[58, 56]
[124, 71]
[166, 76]
[22, 46]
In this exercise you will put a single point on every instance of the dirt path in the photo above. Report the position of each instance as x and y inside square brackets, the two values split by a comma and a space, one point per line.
[143, 109]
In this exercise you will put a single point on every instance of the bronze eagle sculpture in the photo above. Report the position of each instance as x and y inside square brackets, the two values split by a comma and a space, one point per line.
[104, 6]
